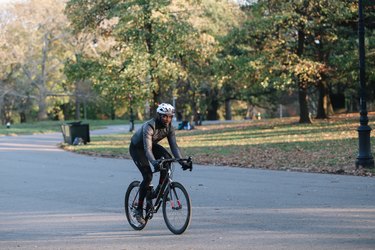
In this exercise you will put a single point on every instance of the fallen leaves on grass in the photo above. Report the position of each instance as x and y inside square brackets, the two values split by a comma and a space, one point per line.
[327, 146]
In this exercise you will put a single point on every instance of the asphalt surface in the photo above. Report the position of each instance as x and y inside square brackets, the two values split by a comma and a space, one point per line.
[52, 199]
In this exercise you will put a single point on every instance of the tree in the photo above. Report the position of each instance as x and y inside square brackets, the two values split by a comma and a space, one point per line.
[38, 52]
[148, 34]
[165, 44]
[297, 47]
[345, 56]
[202, 89]
[11, 54]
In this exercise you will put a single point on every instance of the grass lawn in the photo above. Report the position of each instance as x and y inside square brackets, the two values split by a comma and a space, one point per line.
[329, 146]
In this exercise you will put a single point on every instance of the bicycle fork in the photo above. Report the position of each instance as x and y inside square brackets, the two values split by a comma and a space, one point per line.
[174, 198]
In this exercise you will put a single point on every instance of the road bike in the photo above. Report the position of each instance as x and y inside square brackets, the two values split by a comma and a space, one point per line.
[172, 196]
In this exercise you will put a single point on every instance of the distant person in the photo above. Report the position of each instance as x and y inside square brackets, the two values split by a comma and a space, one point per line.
[144, 148]
[198, 119]
[185, 125]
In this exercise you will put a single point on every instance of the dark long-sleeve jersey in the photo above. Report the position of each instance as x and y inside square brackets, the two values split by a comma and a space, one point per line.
[151, 133]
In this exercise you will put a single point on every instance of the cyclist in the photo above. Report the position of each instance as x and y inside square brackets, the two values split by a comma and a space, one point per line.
[144, 148]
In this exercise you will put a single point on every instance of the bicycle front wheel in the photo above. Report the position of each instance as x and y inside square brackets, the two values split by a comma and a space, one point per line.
[176, 208]
[131, 203]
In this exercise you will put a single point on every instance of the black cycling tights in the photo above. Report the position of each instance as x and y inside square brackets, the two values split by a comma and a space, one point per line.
[140, 159]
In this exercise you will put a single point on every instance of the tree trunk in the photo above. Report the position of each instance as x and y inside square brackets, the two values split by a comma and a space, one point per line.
[77, 109]
[66, 111]
[249, 112]
[323, 102]
[213, 106]
[85, 109]
[42, 83]
[2, 115]
[194, 108]
[153, 63]
[77, 101]
[154, 104]
[113, 111]
[42, 112]
[302, 87]
[228, 109]
[22, 117]
[77, 95]
[212, 111]
[303, 105]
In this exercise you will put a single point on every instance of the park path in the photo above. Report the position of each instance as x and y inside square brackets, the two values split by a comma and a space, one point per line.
[52, 199]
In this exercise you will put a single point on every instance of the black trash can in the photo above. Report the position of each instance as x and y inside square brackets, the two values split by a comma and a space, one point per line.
[74, 132]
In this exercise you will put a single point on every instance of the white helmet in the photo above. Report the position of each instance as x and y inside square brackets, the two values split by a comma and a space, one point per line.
[165, 109]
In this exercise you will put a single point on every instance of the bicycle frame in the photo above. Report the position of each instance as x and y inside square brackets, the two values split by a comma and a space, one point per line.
[164, 187]
[158, 200]
[172, 197]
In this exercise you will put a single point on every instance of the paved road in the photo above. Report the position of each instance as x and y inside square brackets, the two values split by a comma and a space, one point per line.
[52, 199]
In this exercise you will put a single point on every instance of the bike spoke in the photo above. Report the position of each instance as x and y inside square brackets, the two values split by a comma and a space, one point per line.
[131, 203]
[177, 209]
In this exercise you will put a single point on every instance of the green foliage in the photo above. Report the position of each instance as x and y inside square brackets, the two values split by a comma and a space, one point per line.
[291, 45]
[158, 45]
[32, 53]
[149, 39]
[203, 53]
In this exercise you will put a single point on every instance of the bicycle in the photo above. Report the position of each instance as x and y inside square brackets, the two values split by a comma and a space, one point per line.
[172, 196]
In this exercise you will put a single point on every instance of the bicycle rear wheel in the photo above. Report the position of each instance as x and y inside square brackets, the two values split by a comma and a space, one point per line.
[176, 208]
[131, 203]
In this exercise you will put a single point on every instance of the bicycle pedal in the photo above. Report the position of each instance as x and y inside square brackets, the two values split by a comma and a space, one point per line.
[149, 214]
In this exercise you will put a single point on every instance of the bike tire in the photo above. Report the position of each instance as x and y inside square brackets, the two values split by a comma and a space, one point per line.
[130, 203]
[177, 208]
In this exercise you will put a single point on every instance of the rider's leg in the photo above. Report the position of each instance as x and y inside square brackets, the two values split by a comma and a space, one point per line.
[143, 188]
[141, 162]
[159, 152]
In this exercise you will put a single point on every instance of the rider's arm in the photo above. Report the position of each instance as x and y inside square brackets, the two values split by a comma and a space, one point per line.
[148, 131]
[176, 151]
[173, 144]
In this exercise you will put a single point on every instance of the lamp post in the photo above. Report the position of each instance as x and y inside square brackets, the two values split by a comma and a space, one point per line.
[364, 158]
